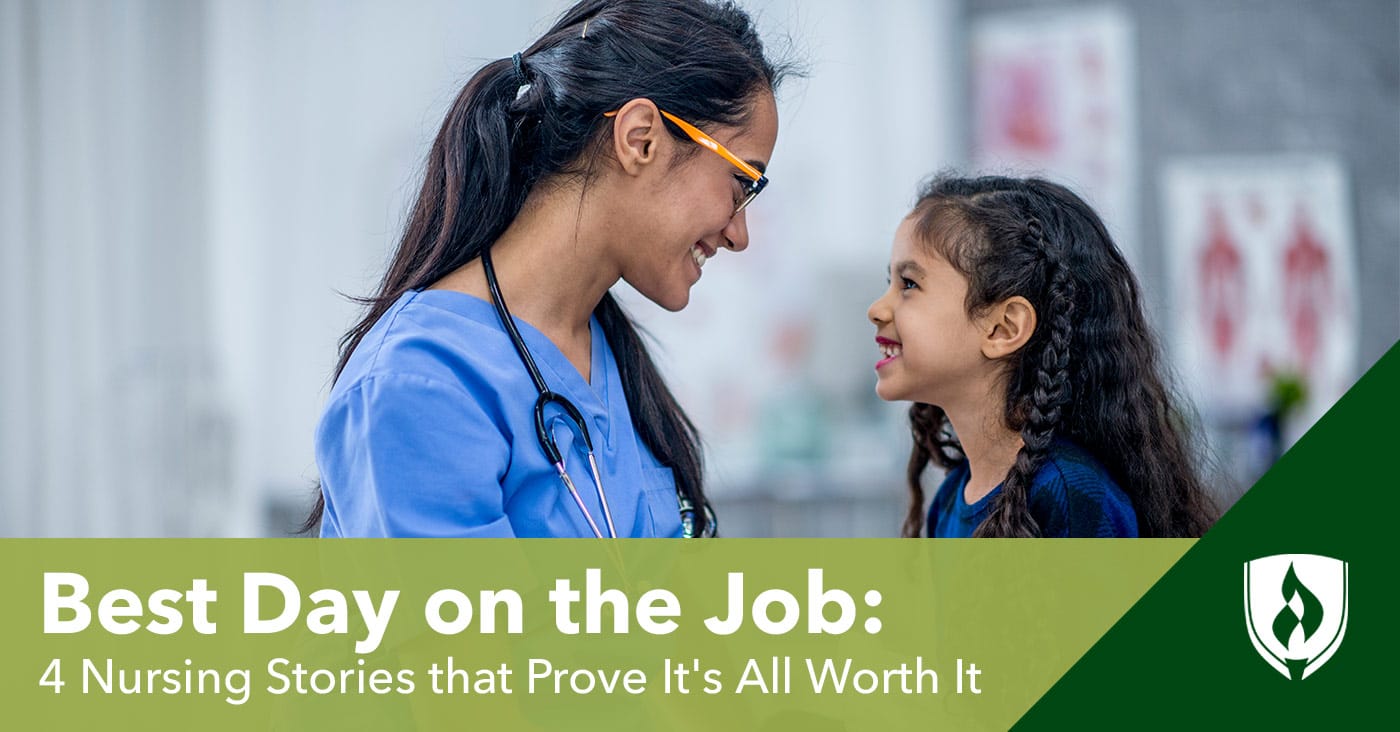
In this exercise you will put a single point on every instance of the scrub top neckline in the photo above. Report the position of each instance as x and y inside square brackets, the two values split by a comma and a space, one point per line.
[547, 354]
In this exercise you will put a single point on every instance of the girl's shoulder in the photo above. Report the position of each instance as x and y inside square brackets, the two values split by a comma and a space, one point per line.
[1068, 461]
[1073, 494]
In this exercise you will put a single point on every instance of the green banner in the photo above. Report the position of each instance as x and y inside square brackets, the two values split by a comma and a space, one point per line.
[1273, 620]
[437, 634]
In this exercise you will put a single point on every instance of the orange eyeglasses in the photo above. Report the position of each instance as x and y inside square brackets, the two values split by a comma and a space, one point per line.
[757, 180]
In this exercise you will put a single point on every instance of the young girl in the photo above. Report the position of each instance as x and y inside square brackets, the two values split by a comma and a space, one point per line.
[1015, 326]
[623, 144]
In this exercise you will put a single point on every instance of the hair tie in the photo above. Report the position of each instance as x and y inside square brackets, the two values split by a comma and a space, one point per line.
[522, 82]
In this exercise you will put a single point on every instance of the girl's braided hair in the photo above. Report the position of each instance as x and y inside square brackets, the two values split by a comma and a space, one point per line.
[1091, 372]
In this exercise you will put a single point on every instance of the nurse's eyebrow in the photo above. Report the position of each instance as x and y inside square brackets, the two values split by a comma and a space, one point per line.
[762, 167]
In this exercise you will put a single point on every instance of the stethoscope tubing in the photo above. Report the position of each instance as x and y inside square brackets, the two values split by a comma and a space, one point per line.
[547, 397]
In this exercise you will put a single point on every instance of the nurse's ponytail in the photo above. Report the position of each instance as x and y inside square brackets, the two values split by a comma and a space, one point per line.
[467, 200]
[539, 115]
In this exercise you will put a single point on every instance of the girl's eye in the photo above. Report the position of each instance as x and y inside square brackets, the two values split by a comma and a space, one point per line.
[907, 284]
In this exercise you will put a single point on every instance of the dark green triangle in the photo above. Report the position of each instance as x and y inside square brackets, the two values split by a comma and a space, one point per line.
[1181, 658]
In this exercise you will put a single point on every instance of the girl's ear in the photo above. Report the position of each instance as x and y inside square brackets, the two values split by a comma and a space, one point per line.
[637, 132]
[1007, 326]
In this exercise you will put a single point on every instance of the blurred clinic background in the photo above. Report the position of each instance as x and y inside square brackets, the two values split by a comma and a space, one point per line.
[188, 189]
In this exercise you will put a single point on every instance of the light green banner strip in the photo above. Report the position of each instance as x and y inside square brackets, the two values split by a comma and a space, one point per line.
[733, 634]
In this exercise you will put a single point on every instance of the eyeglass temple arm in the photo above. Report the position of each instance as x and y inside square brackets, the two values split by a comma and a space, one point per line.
[703, 139]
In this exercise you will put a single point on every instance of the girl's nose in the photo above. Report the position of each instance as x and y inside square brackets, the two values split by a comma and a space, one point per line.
[879, 312]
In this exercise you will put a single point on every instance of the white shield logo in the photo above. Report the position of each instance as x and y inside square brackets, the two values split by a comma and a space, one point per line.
[1295, 607]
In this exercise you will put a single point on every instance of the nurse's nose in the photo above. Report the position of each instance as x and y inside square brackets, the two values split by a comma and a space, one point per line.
[736, 234]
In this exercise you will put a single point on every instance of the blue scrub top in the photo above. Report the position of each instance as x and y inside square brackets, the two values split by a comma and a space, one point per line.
[429, 432]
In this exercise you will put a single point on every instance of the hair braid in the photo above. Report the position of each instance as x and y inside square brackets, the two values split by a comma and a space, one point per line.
[932, 444]
[1044, 412]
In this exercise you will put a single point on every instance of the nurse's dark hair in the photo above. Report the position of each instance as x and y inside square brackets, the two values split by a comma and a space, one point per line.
[509, 130]
[1091, 372]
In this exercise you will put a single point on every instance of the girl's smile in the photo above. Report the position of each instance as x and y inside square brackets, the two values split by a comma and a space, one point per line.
[890, 349]
[922, 325]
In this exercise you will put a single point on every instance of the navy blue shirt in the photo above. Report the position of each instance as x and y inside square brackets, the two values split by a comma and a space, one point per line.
[1071, 495]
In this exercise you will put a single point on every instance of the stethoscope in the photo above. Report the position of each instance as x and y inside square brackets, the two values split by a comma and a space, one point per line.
[546, 437]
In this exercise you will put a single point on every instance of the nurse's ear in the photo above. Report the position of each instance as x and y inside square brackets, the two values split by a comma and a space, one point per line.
[639, 135]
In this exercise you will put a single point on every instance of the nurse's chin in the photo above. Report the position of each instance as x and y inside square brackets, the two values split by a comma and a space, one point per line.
[667, 291]
[674, 301]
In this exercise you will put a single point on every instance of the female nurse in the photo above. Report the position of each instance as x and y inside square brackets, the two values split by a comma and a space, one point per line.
[494, 387]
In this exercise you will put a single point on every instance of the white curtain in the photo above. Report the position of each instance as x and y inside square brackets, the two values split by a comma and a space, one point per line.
[185, 190]
[108, 421]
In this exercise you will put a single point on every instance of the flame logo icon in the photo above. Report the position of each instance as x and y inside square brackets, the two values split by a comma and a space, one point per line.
[1287, 621]
[1296, 626]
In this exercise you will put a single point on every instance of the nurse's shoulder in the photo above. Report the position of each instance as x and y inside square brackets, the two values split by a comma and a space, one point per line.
[446, 338]
[413, 440]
